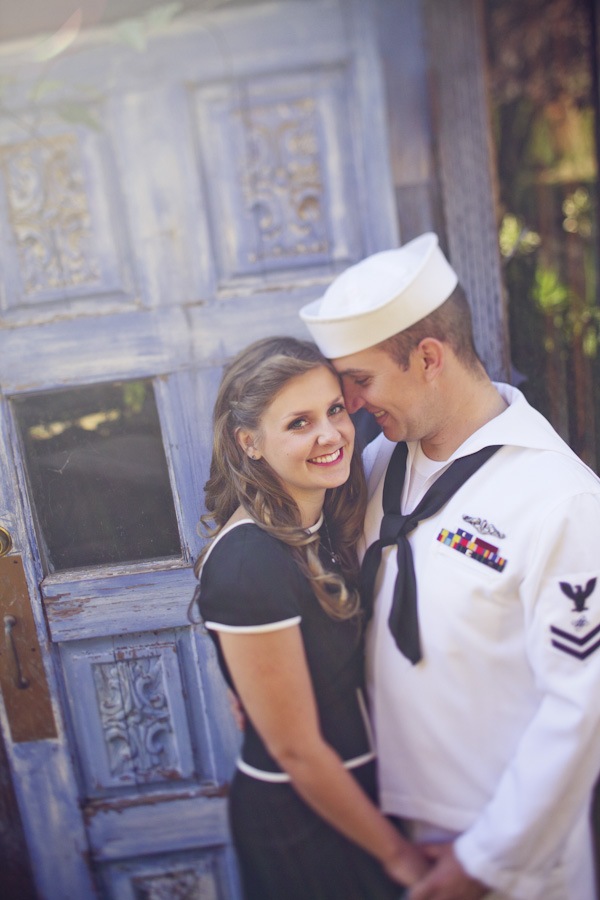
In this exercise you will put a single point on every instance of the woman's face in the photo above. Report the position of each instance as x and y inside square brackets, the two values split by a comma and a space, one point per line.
[306, 436]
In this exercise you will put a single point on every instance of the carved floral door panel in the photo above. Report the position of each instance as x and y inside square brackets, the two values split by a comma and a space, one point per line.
[159, 209]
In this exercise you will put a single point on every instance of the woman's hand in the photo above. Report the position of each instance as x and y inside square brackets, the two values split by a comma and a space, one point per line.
[272, 680]
[447, 879]
[407, 866]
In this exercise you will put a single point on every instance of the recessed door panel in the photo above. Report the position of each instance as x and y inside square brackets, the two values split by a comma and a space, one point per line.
[288, 206]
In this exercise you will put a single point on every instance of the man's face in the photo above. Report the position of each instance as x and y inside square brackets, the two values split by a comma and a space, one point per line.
[395, 396]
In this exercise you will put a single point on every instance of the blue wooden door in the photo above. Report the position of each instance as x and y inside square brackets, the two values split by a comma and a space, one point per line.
[169, 191]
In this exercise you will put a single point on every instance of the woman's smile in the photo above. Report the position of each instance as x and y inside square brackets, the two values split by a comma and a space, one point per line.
[328, 459]
[306, 436]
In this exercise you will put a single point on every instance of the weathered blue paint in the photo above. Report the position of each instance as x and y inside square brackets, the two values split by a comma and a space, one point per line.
[47, 793]
[186, 251]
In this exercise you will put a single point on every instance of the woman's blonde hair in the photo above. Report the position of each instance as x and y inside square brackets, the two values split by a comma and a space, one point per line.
[249, 384]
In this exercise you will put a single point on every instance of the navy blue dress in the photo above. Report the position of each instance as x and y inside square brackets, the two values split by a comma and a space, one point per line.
[251, 583]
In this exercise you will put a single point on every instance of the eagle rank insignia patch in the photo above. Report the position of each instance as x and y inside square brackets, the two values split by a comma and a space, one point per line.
[576, 640]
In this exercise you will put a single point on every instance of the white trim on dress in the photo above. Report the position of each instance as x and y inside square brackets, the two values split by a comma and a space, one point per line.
[284, 778]
[254, 629]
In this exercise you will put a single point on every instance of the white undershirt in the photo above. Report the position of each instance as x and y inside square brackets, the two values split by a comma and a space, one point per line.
[423, 472]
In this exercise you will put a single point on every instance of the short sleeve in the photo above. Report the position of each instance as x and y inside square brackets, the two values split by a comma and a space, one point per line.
[250, 583]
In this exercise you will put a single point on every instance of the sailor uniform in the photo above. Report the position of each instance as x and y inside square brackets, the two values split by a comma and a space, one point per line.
[250, 583]
[495, 733]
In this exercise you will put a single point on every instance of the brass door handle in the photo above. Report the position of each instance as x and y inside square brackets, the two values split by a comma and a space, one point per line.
[9, 624]
[5, 541]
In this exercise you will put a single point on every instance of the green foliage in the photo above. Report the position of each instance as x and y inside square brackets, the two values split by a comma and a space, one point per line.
[590, 342]
[573, 318]
[134, 396]
[578, 212]
[542, 150]
[78, 114]
[75, 107]
[45, 87]
[549, 292]
[136, 31]
[516, 238]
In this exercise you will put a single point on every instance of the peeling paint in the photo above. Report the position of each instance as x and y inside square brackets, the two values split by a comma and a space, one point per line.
[142, 772]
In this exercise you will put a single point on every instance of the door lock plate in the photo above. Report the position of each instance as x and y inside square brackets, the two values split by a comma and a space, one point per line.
[22, 678]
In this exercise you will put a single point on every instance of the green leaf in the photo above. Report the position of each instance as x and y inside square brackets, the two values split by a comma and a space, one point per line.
[590, 343]
[78, 114]
[549, 292]
[510, 230]
[134, 396]
[162, 15]
[133, 33]
[45, 87]
[516, 238]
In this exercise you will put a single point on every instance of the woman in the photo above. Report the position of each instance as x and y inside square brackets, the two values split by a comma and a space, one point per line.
[278, 595]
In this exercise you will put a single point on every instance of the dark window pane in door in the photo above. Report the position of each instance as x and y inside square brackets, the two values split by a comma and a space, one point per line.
[98, 474]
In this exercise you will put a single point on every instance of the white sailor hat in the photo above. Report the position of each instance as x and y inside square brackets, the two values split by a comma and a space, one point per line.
[380, 296]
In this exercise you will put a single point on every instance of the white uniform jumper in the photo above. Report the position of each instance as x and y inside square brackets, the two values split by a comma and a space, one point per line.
[495, 734]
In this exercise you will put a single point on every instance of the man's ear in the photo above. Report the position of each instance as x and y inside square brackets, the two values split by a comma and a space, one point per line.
[245, 439]
[431, 354]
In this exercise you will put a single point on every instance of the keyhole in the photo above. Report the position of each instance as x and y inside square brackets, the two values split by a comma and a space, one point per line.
[10, 624]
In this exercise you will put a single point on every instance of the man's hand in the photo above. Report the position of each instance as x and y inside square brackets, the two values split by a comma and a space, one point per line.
[447, 880]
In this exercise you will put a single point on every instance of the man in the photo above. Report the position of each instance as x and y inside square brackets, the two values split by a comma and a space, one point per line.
[484, 671]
